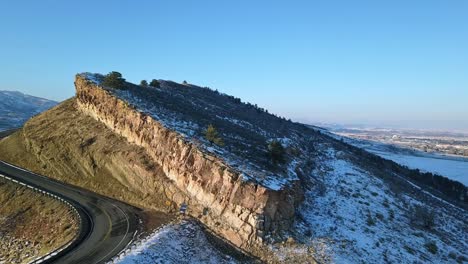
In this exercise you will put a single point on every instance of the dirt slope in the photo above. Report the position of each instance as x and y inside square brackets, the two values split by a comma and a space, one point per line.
[69, 146]
[31, 225]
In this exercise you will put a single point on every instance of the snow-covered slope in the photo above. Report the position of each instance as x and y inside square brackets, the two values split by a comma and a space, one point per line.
[245, 129]
[182, 242]
[357, 207]
[359, 218]
[16, 108]
[455, 168]
[349, 216]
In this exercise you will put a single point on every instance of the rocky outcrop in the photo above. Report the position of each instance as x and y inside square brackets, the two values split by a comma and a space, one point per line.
[243, 212]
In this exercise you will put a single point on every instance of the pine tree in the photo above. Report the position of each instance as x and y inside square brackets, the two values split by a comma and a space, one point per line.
[114, 80]
[155, 83]
[144, 83]
[211, 134]
[276, 152]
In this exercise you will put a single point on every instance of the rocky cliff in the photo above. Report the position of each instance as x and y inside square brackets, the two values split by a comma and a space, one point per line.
[240, 210]
[145, 146]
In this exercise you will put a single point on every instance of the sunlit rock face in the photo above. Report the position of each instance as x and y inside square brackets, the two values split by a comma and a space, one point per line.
[239, 209]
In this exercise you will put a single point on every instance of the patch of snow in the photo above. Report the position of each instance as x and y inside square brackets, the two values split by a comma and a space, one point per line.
[362, 221]
[188, 130]
[185, 128]
[93, 77]
[285, 142]
[455, 168]
[16, 108]
[178, 243]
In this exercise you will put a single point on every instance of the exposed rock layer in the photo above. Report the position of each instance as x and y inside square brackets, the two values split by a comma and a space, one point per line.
[241, 211]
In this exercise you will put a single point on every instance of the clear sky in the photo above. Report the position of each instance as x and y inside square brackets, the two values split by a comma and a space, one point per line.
[384, 63]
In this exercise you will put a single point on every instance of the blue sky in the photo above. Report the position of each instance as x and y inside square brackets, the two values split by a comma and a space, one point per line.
[382, 63]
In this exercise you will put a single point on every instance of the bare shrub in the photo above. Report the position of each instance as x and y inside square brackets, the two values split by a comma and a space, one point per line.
[422, 216]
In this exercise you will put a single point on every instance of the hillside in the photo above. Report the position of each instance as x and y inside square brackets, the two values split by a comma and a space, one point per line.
[246, 129]
[16, 108]
[30, 225]
[452, 167]
[67, 145]
[328, 200]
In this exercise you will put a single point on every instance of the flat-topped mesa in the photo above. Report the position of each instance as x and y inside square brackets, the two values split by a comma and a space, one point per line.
[229, 198]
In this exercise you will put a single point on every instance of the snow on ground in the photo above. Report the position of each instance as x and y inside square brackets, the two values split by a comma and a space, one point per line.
[180, 243]
[16, 108]
[455, 168]
[96, 79]
[358, 219]
[174, 121]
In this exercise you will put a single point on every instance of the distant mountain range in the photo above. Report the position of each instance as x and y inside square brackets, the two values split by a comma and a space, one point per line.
[357, 128]
[16, 108]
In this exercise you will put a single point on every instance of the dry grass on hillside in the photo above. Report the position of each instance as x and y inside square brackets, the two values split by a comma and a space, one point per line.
[69, 146]
[31, 224]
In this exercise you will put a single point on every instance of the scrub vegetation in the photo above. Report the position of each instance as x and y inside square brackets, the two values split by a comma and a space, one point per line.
[31, 224]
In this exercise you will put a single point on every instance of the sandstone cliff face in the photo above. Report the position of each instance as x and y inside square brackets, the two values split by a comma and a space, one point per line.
[72, 147]
[241, 211]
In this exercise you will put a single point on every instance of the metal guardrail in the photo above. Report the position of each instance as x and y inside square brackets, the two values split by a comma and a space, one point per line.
[135, 243]
[42, 259]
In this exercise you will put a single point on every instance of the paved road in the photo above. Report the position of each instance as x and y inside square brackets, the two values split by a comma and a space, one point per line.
[108, 226]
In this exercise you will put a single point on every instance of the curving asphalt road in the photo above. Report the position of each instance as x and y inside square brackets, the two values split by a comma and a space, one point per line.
[108, 226]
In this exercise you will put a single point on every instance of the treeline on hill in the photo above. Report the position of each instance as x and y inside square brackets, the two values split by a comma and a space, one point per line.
[114, 79]
[203, 106]
[249, 136]
[450, 189]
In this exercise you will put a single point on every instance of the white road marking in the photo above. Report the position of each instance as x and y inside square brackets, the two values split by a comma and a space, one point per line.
[43, 258]
[125, 236]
